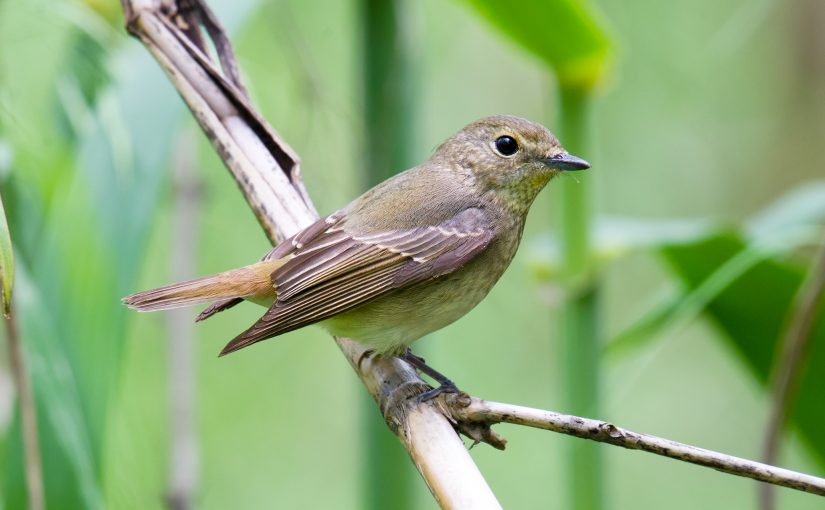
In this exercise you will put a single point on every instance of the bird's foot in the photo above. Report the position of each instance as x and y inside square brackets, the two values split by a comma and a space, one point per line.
[414, 359]
[431, 394]
[364, 356]
[447, 386]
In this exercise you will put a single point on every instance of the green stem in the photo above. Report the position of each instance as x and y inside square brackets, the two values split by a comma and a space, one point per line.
[388, 108]
[580, 321]
[576, 203]
[387, 87]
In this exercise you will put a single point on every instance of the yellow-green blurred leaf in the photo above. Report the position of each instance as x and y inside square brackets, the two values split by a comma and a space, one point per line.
[108, 10]
[6, 260]
[570, 36]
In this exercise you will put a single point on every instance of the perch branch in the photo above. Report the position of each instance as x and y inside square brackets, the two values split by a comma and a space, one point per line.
[473, 410]
[267, 172]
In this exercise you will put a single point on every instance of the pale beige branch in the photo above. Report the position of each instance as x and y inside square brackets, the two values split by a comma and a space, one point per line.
[473, 410]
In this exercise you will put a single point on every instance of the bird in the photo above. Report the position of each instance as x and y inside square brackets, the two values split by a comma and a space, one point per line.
[408, 257]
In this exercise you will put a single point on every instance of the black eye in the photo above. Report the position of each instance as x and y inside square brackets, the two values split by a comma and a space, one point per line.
[506, 145]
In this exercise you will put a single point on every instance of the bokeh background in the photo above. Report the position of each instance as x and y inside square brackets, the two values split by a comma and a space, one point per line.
[707, 114]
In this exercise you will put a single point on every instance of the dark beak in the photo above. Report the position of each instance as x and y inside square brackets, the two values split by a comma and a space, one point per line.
[566, 161]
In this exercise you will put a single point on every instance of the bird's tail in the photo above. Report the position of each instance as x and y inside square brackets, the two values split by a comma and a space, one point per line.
[250, 281]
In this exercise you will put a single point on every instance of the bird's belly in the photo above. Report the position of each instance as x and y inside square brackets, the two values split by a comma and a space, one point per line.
[392, 322]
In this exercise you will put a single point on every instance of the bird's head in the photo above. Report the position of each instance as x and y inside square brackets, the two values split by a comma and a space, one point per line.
[510, 157]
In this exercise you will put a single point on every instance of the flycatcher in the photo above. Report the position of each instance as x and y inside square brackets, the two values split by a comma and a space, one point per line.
[406, 258]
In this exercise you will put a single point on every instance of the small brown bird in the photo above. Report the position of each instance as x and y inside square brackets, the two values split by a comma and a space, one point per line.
[406, 258]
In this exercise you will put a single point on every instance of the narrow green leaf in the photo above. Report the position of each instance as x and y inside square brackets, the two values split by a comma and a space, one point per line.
[681, 309]
[569, 36]
[647, 328]
[6, 261]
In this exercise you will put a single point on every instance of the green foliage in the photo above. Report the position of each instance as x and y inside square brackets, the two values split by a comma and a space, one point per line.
[569, 36]
[745, 281]
[683, 307]
[87, 212]
[6, 261]
[753, 311]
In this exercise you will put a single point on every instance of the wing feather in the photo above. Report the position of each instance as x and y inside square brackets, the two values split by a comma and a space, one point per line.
[333, 270]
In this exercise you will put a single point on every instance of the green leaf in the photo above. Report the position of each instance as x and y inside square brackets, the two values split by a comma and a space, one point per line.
[752, 312]
[659, 317]
[67, 445]
[569, 36]
[791, 221]
[685, 306]
[6, 261]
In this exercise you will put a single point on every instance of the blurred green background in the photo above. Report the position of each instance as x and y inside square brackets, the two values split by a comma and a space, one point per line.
[702, 115]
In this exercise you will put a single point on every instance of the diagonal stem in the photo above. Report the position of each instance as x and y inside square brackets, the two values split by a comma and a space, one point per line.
[28, 412]
[183, 447]
[790, 366]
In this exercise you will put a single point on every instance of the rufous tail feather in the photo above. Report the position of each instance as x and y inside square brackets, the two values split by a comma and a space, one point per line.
[250, 281]
[217, 306]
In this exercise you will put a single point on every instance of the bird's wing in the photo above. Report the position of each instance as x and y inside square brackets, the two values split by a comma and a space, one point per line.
[333, 270]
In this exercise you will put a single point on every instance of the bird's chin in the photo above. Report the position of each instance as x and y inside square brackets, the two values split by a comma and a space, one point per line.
[538, 179]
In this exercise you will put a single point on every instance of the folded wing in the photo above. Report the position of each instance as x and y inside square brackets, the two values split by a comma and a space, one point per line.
[333, 270]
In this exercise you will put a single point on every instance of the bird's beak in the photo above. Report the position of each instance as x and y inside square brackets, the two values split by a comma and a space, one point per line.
[565, 161]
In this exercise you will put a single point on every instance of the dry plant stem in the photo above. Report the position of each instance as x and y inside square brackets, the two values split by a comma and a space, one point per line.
[28, 415]
[267, 173]
[183, 451]
[790, 366]
[471, 409]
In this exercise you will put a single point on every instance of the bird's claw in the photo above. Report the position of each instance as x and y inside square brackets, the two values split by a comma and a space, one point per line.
[431, 394]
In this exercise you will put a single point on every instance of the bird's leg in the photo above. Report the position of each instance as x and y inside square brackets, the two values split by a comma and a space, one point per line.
[365, 356]
[447, 386]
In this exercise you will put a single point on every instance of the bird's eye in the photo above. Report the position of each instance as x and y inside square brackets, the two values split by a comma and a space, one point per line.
[506, 145]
